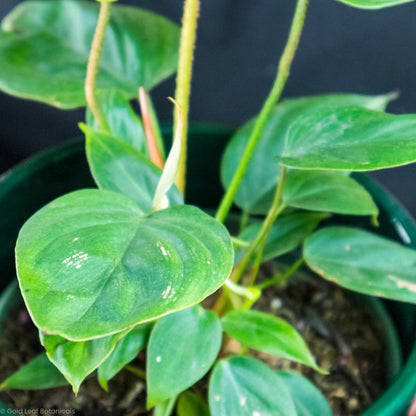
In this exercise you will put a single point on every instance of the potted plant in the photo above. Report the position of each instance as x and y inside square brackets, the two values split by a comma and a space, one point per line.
[108, 272]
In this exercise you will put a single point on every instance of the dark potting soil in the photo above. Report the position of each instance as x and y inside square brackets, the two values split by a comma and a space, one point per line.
[343, 338]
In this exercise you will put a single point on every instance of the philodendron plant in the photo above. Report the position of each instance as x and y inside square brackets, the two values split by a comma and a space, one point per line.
[108, 272]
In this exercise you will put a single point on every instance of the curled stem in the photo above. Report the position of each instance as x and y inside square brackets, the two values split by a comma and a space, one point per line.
[93, 61]
[183, 80]
[274, 96]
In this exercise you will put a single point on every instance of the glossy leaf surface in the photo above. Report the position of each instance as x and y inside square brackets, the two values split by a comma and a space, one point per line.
[44, 55]
[182, 348]
[350, 138]
[308, 400]
[125, 351]
[123, 122]
[117, 166]
[189, 404]
[259, 182]
[102, 266]
[327, 191]
[76, 360]
[269, 334]
[287, 233]
[365, 262]
[38, 374]
[374, 4]
[244, 386]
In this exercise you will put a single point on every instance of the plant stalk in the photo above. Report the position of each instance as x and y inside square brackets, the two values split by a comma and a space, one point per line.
[281, 277]
[93, 61]
[271, 101]
[183, 81]
[276, 208]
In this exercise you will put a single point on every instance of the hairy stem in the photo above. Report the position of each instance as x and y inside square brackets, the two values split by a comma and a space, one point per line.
[93, 61]
[274, 96]
[183, 80]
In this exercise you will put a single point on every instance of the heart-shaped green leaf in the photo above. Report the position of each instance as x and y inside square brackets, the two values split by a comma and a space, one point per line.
[350, 138]
[287, 233]
[365, 262]
[190, 404]
[44, 49]
[374, 4]
[308, 400]
[38, 374]
[91, 264]
[194, 340]
[125, 351]
[117, 166]
[122, 121]
[269, 334]
[244, 386]
[76, 360]
[327, 191]
[256, 190]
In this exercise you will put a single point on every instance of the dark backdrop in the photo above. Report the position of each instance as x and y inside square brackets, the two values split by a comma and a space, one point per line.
[239, 41]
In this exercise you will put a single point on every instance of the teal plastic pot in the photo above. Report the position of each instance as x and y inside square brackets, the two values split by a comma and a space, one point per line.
[54, 172]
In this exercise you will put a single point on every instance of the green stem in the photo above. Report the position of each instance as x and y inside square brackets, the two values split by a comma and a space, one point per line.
[93, 61]
[281, 277]
[183, 81]
[274, 96]
[136, 371]
[276, 208]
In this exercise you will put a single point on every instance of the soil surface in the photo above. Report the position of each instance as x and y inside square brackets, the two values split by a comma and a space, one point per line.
[344, 339]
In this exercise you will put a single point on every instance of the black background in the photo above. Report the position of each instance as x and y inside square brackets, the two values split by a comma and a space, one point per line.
[239, 41]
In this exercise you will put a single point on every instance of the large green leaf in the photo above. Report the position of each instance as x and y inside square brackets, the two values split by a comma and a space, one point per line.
[91, 264]
[256, 190]
[189, 404]
[287, 233]
[119, 167]
[327, 191]
[308, 400]
[76, 360]
[44, 49]
[125, 351]
[182, 348]
[374, 4]
[350, 138]
[123, 122]
[365, 262]
[244, 386]
[38, 374]
[269, 334]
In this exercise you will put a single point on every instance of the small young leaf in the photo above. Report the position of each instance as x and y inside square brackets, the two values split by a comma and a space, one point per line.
[365, 262]
[125, 351]
[374, 4]
[350, 138]
[182, 348]
[287, 233]
[256, 190]
[308, 400]
[39, 38]
[327, 191]
[102, 266]
[38, 374]
[171, 167]
[76, 360]
[245, 386]
[267, 333]
[123, 122]
[117, 166]
[190, 404]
